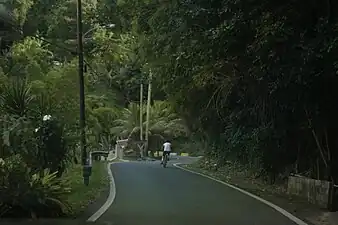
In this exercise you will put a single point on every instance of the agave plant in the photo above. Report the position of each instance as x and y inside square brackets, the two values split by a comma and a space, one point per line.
[16, 97]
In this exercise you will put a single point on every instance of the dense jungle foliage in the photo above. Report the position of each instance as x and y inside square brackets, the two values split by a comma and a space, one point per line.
[245, 81]
[256, 80]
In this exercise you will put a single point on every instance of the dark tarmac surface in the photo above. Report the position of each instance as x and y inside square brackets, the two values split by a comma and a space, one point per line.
[148, 194]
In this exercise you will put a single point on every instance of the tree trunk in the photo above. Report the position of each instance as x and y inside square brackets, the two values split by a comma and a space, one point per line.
[298, 159]
[315, 136]
[318, 169]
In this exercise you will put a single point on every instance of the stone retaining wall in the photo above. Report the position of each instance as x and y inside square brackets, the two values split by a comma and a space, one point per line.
[315, 191]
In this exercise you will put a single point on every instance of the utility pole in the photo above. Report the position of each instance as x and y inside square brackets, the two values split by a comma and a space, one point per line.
[141, 114]
[148, 113]
[141, 108]
[86, 169]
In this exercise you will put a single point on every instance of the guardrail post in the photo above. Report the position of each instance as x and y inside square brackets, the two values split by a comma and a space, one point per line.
[333, 197]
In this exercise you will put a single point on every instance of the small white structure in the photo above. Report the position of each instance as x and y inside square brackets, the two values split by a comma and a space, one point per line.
[119, 147]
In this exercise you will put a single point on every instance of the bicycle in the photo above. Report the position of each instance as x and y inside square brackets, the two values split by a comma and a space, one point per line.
[165, 160]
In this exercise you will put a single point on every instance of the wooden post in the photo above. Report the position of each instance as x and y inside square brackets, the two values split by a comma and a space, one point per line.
[141, 114]
[330, 204]
[148, 114]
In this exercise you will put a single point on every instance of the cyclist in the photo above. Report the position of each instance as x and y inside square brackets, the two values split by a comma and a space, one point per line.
[166, 150]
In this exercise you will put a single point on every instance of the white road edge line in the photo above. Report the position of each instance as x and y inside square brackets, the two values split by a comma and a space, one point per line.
[124, 160]
[110, 199]
[277, 208]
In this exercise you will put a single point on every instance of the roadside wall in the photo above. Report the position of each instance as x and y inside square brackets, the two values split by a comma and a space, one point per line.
[315, 191]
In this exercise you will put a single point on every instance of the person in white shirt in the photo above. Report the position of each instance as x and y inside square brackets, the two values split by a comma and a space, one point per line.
[166, 149]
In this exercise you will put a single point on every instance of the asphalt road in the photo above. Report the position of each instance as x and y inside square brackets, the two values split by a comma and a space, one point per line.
[148, 194]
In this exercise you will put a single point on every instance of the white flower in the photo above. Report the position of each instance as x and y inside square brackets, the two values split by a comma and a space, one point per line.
[46, 117]
[2, 162]
[37, 129]
[57, 63]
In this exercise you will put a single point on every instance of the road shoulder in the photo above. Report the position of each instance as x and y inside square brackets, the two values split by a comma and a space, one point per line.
[94, 195]
[273, 193]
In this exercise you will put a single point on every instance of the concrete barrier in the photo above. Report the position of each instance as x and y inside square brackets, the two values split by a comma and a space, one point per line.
[333, 218]
[315, 191]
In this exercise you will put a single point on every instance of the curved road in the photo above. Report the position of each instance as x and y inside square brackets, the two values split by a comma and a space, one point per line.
[148, 194]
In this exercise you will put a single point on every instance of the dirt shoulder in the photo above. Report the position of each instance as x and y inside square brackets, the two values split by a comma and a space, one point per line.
[274, 193]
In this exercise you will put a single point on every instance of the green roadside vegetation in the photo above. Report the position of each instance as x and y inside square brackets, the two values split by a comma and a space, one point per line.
[39, 105]
[81, 196]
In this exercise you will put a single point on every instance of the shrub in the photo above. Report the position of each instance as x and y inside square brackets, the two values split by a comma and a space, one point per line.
[193, 147]
[52, 148]
[25, 194]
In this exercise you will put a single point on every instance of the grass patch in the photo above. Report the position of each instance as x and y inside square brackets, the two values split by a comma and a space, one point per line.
[81, 196]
